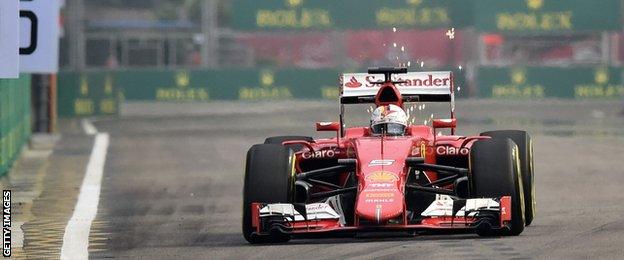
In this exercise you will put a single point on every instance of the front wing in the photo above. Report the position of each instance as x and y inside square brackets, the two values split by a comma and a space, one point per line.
[321, 219]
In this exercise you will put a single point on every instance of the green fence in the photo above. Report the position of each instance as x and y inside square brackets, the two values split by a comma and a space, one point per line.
[79, 94]
[87, 94]
[14, 119]
[550, 82]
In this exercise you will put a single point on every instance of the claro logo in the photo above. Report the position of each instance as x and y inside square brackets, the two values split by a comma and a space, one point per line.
[323, 154]
[449, 150]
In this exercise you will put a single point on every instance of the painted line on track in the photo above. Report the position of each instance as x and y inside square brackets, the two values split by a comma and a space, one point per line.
[88, 127]
[76, 237]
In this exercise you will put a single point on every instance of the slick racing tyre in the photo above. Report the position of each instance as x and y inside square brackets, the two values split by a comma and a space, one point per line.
[495, 172]
[269, 178]
[525, 147]
[280, 139]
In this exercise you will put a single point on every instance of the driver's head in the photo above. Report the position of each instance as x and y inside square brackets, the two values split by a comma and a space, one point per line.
[390, 119]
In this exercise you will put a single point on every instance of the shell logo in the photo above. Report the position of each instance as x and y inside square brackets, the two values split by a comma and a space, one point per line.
[382, 176]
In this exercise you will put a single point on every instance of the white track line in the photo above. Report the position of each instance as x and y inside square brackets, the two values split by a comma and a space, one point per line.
[88, 127]
[76, 237]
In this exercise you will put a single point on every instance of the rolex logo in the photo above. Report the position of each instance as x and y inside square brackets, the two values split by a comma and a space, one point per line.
[535, 4]
[183, 79]
[267, 78]
[294, 3]
[602, 76]
[414, 2]
[518, 76]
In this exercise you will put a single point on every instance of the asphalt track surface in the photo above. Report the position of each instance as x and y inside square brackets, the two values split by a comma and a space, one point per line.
[172, 185]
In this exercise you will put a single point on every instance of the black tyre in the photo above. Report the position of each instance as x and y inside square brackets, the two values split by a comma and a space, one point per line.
[525, 148]
[280, 139]
[495, 172]
[269, 178]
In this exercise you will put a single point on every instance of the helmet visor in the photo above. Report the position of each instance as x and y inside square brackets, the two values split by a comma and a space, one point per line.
[389, 129]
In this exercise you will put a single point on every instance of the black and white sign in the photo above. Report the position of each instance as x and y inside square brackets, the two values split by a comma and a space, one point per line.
[39, 36]
[9, 39]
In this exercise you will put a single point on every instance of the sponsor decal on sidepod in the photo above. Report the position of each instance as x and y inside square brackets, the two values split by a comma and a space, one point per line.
[322, 154]
[449, 150]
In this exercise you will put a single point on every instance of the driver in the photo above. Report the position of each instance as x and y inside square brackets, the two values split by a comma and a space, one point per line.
[390, 120]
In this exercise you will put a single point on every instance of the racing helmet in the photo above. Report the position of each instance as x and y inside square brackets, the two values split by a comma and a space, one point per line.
[390, 120]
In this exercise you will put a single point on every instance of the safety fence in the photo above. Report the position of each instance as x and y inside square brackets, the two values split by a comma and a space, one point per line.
[15, 119]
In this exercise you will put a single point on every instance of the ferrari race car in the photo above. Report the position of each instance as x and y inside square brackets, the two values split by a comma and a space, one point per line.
[359, 181]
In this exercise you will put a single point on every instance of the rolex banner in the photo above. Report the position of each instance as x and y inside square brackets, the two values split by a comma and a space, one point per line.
[547, 16]
[99, 92]
[550, 82]
[349, 14]
[504, 16]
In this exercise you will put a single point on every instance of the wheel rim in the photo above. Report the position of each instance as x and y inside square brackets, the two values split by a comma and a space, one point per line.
[531, 169]
[291, 192]
[516, 155]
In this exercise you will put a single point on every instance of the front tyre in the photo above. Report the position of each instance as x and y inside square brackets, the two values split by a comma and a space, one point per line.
[525, 149]
[269, 178]
[495, 172]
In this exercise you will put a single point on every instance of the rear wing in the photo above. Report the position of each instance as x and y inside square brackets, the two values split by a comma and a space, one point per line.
[432, 86]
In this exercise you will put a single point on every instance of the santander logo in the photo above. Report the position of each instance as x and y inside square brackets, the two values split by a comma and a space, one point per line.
[353, 83]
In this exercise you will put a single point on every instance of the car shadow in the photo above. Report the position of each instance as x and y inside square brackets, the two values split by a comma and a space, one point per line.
[237, 240]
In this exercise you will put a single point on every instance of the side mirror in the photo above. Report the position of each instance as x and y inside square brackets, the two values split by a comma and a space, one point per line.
[327, 126]
[444, 123]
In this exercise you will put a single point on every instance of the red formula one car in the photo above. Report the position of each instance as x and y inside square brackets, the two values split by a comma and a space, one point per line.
[365, 180]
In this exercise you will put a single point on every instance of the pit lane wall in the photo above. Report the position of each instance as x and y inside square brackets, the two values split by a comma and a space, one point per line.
[88, 94]
[99, 93]
[15, 119]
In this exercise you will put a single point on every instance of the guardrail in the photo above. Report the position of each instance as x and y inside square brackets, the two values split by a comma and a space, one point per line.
[15, 119]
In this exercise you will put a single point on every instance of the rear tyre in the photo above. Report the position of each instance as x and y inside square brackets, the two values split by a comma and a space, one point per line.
[525, 148]
[269, 178]
[280, 139]
[495, 172]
